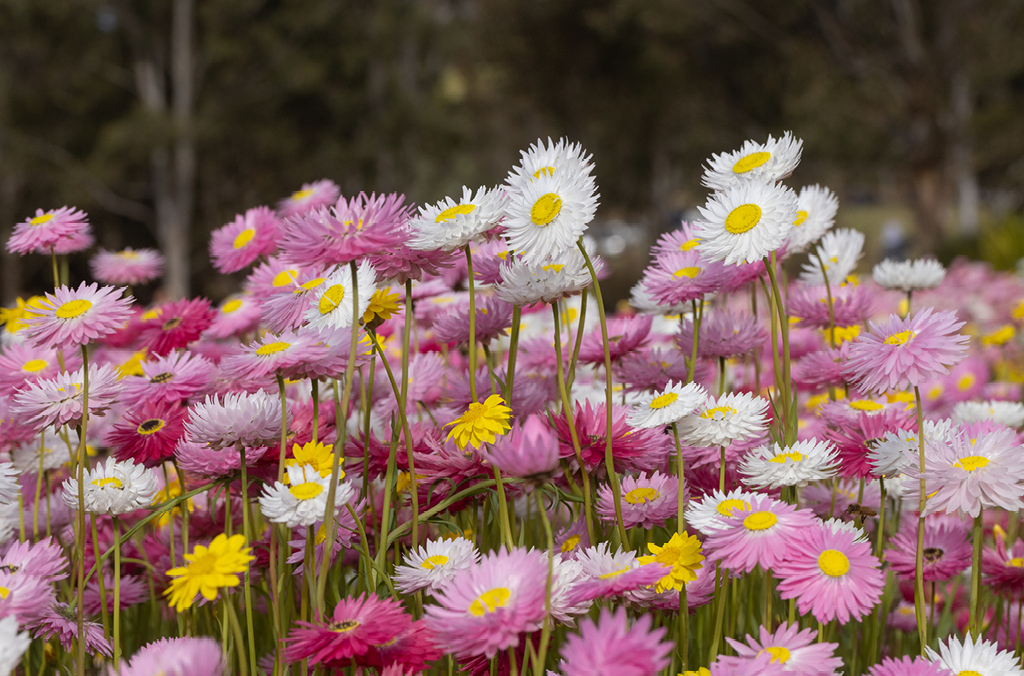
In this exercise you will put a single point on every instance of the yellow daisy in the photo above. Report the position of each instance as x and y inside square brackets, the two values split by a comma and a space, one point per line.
[481, 423]
[683, 553]
[208, 569]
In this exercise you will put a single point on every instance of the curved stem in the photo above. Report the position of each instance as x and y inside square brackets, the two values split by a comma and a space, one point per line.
[581, 326]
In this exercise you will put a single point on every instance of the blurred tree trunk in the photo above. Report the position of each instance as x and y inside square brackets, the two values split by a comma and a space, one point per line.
[10, 264]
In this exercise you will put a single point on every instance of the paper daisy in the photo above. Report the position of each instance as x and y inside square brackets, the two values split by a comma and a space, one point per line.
[240, 242]
[128, 266]
[550, 214]
[612, 575]
[9, 487]
[1009, 413]
[491, 319]
[332, 302]
[238, 314]
[906, 352]
[186, 656]
[435, 564]
[766, 163]
[797, 465]
[62, 231]
[481, 423]
[678, 277]
[709, 513]
[646, 501]
[731, 417]
[839, 251]
[906, 666]
[682, 553]
[113, 488]
[12, 644]
[790, 647]
[529, 450]
[547, 160]
[761, 534]
[612, 646]
[816, 213]
[21, 364]
[947, 549]
[149, 434]
[69, 317]
[668, 406]
[452, 224]
[61, 622]
[60, 401]
[174, 325]
[351, 230]
[240, 418]
[172, 379]
[745, 223]
[304, 501]
[909, 276]
[975, 655]
[208, 569]
[723, 334]
[526, 283]
[310, 196]
[850, 305]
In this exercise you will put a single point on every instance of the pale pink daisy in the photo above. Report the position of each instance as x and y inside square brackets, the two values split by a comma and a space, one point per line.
[173, 379]
[349, 231]
[247, 419]
[529, 450]
[69, 317]
[238, 314]
[850, 305]
[907, 666]
[625, 334]
[292, 293]
[186, 656]
[790, 647]
[679, 277]
[761, 534]
[21, 364]
[322, 193]
[723, 334]
[271, 355]
[612, 646]
[128, 266]
[61, 231]
[201, 460]
[240, 242]
[492, 317]
[646, 501]
[59, 401]
[61, 622]
[25, 596]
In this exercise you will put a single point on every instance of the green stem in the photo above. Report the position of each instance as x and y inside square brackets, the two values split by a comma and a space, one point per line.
[117, 592]
[545, 634]
[783, 379]
[239, 640]
[80, 544]
[919, 601]
[975, 614]
[247, 531]
[720, 594]
[104, 615]
[472, 327]
[581, 325]
[692, 370]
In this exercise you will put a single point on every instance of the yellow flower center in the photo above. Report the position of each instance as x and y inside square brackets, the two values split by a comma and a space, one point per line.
[900, 338]
[73, 308]
[285, 277]
[865, 405]
[1016, 563]
[108, 481]
[833, 563]
[151, 426]
[434, 561]
[127, 255]
[664, 400]
[331, 299]
[4, 592]
[34, 365]
[311, 284]
[272, 348]
[971, 463]
[779, 654]
[306, 491]
[968, 672]
[689, 273]
[545, 209]
[489, 601]
[231, 306]
[570, 543]
[302, 194]
[556, 267]
[450, 213]
[344, 627]
[243, 238]
[161, 377]
[546, 171]
[726, 507]
[638, 496]
[966, 382]
[39, 220]
[718, 413]
[611, 574]
[742, 218]
[801, 216]
[782, 457]
[689, 244]
[760, 521]
[751, 161]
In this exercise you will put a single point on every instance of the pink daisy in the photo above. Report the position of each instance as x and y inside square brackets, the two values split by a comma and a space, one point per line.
[62, 231]
[172, 379]
[238, 314]
[185, 656]
[407, 653]
[678, 277]
[134, 591]
[201, 460]
[822, 368]
[612, 646]
[174, 325]
[26, 596]
[493, 316]
[247, 419]
[347, 535]
[484, 609]
[723, 334]
[530, 450]
[905, 352]
[293, 292]
[573, 540]
[21, 364]
[1004, 569]
[402, 263]
[61, 621]
[68, 317]
[632, 449]
[60, 401]
[789, 646]
[760, 665]
[625, 334]
[947, 548]
[240, 242]
[646, 501]
[612, 575]
[349, 231]
[148, 434]
[762, 533]
[271, 355]
[907, 666]
[128, 266]
[653, 368]
[322, 193]
[44, 559]
[831, 574]
[355, 628]
[327, 355]
[268, 278]
[850, 305]
[862, 431]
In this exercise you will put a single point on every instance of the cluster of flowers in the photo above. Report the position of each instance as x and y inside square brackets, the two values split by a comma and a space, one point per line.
[414, 440]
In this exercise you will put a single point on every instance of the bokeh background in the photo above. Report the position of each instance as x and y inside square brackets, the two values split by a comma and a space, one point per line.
[164, 118]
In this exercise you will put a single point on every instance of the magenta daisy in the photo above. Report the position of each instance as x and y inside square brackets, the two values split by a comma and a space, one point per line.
[175, 325]
[850, 305]
[947, 548]
[831, 574]
[820, 369]
[69, 317]
[790, 647]
[349, 231]
[723, 334]
[322, 193]
[148, 434]
[247, 419]
[271, 356]
[763, 533]
[646, 501]
[62, 231]
[242, 241]
[484, 609]
[907, 666]
[906, 352]
[61, 622]
[679, 277]
[128, 266]
[529, 450]
[493, 316]
[1003, 568]
[171, 379]
[612, 646]
[632, 448]
[60, 401]
[187, 656]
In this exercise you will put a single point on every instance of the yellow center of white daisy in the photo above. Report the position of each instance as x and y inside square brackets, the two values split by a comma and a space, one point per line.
[726, 507]
[302, 194]
[971, 463]
[450, 213]
[73, 308]
[968, 672]
[751, 161]
[718, 413]
[742, 218]
[689, 244]
[833, 563]
[231, 306]
[331, 299]
[34, 365]
[432, 562]
[108, 481]
[966, 382]
[570, 543]
[489, 601]
[760, 521]
[663, 400]
[865, 405]
[638, 496]
[801, 216]
[243, 238]
[306, 491]
[545, 209]
[611, 574]
[39, 220]
[781, 458]
[545, 171]
[779, 653]
[689, 273]
[555, 267]
[151, 426]
[272, 348]
[900, 338]
[285, 277]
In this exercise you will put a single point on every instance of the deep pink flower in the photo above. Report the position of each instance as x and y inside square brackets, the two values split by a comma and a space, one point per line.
[632, 449]
[128, 266]
[133, 592]
[174, 325]
[612, 646]
[856, 437]
[764, 534]
[148, 434]
[947, 548]
[349, 231]
[822, 368]
[1004, 569]
[62, 231]
[69, 317]
[243, 240]
[322, 193]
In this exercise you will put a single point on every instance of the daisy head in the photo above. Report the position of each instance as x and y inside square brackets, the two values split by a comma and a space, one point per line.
[975, 656]
[435, 564]
[797, 465]
[453, 223]
[816, 208]
[530, 450]
[947, 549]
[524, 283]
[909, 276]
[612, 646]
[304, 501]
[349, 231]
[682, 557]
[332, 302]
[481, 423]
[174, 325]
[646, 500]
[542, 159]
[745, 223]
[113, 488]
[731, 417]
[668, 406]
[237, 314]
[762, 533]
[907, 666]
[243, 240]
[790, 646]
[238, 418]
[186, 656]
[310, 196]
[60, 231]
[128, 266]
[763, 163]
[708, 514]
[69, 317]
[835, 258]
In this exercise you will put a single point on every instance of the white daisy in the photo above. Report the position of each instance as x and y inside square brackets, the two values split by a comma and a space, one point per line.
[707, 513]
[766, 162]
[524, 283]
[452, 224]
[898, 451]
[641, 299]
[550, 214]
[907, 276]
[54, 451]
[540, 159]
[566, 573]
[816, 213]
[598, 561]
[732, 417]
[839, 251]
[435, 564]
[12, 645]
[796, 465]
[664, 408]
[113, 488]
[333, 305]
[839, 526]
[303, 501]
[1009, 413]
[745, 223]
[8, 483]
[975, 657]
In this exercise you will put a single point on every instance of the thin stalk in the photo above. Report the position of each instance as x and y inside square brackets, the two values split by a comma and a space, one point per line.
[247, 531]
[513, 352]
[239, 640]
[975, 614]
[684, 608]
[720, 594]
[881, 521]
[472, 326]
[692, 370]
[314, 385]
[783, 379]
[581, 324]
[56, 274]
[80, 542]
[545, 633]
[922, 625]
[117, 592]
[103, 585]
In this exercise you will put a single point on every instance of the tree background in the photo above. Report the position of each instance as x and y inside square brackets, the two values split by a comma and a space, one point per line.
[165, 118]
